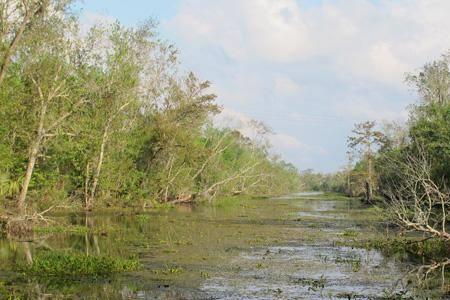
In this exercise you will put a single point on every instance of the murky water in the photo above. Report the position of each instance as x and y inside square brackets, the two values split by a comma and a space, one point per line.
[284, 248]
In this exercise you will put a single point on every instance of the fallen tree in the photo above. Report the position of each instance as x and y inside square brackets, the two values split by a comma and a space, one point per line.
[415, 201]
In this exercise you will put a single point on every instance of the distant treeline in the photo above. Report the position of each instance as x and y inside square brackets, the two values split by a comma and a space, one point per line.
[105, 117]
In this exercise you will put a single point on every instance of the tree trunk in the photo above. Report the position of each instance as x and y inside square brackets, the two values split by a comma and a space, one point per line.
[369, 192]
[26, 181]
[10, 50]
[369, 183]
[32, 160]
[98, 169]
[349, 189]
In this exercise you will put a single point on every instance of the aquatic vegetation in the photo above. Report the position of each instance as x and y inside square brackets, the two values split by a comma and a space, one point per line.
[61, 229]
[312, 283]
[428, 248]
[354, 262]
[169, 270]
[350, 233]
[66, 264]
[212, 247]
[142, 218]
[72, 229]
[260, 266]
[204, 274]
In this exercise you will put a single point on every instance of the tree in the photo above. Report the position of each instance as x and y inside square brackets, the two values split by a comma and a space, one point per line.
[19, 17]
[116, 103]
[414, 162]
[433, 81]
[107, 118]
[415, 200]
[53, 94]
[365, 141]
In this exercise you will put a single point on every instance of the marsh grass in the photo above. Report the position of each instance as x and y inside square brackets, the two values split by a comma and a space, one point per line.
[52, 264]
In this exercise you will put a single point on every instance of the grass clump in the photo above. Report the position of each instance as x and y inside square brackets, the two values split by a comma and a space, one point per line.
[70, 265]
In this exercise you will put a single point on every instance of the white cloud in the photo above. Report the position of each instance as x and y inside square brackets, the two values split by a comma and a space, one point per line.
[245, 30]
[281, 142]
[379, 41]
[385, 64]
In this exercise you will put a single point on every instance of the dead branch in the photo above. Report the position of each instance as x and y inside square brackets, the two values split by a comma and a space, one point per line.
[415, 201]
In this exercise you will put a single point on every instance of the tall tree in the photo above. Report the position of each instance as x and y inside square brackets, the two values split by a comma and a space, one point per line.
[52, 92]
[364, 141]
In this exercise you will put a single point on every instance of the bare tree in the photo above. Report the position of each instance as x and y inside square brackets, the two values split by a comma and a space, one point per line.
[414, 199]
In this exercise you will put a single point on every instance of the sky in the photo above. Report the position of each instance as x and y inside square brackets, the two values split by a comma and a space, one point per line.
[309, 69]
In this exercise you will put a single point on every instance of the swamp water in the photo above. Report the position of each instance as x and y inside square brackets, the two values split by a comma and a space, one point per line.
[283, 248]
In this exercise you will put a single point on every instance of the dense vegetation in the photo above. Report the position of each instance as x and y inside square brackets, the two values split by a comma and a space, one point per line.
[106, 118]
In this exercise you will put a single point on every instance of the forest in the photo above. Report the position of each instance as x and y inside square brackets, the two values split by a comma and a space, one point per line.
[106, 118]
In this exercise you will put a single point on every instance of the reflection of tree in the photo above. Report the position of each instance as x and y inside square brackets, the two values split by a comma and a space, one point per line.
[27, 251]
[436, 269]
[90, 238]
[422, 280]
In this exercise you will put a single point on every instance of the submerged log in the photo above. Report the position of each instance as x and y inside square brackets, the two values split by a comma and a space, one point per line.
[183, 198]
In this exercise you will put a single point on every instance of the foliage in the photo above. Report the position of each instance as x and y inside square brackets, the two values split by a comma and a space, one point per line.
[64, 264]
[334, 182]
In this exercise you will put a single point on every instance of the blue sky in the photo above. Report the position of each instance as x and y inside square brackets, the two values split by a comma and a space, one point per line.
[309, 69]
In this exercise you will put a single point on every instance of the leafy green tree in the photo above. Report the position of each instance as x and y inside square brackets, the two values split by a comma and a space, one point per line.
[19, 18]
